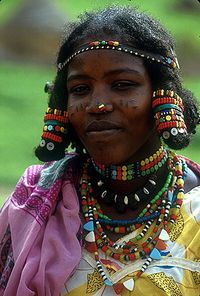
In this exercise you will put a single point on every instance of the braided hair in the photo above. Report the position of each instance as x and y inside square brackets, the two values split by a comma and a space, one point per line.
[130, 27]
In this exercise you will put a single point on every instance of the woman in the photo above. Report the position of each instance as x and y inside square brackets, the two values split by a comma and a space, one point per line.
[120, 214]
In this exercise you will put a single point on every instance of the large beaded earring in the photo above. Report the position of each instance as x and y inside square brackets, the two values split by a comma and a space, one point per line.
[168, 111]
[53, 139]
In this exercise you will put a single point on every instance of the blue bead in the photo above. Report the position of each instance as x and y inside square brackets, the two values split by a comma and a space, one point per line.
[89, 226]
[50, 128]
[170, 196]
[155, 254]
[107, 282]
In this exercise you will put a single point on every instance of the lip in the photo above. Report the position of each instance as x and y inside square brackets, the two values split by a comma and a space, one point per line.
[101, 126]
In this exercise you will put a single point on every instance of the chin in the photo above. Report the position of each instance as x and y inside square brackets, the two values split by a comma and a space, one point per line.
[107, 156]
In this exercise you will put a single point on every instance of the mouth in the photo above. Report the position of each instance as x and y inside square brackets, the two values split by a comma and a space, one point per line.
[102, 127]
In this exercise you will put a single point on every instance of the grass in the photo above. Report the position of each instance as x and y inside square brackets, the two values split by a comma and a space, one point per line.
[22, 104]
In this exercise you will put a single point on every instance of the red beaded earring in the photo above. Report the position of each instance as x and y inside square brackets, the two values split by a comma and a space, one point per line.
[169, 118]
[53, 142]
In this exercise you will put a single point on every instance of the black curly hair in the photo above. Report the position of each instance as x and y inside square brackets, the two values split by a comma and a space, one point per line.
[137, 29]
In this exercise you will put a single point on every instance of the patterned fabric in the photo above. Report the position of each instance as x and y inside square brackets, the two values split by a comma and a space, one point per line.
[176, 274]
[6, 258]
[40, 247]
[43, 210]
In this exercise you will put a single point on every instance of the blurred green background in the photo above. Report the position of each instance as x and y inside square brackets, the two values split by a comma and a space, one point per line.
[28, 45]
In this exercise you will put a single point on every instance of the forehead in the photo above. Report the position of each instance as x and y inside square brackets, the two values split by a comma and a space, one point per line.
[105, 60]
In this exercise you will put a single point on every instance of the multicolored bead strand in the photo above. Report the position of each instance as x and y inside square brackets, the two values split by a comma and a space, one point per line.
[141, 168]
[116, 45]
[154, 222]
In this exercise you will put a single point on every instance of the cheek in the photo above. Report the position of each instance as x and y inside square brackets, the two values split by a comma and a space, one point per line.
[76, 118]
[76, 108]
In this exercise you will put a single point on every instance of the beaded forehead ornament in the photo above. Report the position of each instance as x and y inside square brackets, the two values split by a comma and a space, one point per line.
[115, 45]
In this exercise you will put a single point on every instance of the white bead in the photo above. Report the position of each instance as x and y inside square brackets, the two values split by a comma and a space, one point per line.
[137, 197]
[126, 200]
[129, 284]
[152, 182]
[90, 237]
[164, 235]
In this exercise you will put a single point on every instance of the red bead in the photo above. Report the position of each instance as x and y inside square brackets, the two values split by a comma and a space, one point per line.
[104, 248]
[131, 257]
[173, 216]
[91, 247]
[121, 229]
[146, 250]
[160, 245]
[158, 202]
[137, 226]
[116, 256]
[155, 229]
[126, 251]
[179, 201]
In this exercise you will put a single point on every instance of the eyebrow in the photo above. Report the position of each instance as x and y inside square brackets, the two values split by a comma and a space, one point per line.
[112, 72]
[123, 70]
[78, 77]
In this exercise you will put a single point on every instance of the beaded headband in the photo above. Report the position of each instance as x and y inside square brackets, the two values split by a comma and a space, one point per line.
[115, 45]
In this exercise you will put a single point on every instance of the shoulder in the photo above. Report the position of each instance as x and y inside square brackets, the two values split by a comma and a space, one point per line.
[42, 176]
[48, 172]
[192, 179]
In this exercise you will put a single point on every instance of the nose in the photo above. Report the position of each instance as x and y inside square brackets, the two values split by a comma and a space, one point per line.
[99, 106]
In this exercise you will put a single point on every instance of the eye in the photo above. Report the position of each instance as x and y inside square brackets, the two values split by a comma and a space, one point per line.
[124, 85]
[79, 89]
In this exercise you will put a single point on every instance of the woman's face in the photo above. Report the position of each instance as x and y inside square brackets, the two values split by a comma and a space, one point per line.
[121, 81]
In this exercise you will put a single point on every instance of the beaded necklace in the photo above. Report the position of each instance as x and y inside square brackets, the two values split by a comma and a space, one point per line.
[153, 223]
[121, 201]
[134, 170]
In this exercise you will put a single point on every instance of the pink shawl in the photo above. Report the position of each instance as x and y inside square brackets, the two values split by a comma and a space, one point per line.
[43, 241]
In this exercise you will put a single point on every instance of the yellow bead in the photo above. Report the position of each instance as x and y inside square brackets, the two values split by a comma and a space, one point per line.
[180, 195]
[180, 182]
[116, 43]
[168, 118]
[137, 255]
[108, 252]
[142, 162]
[121, 258]
[178, 167]
[146, 160]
